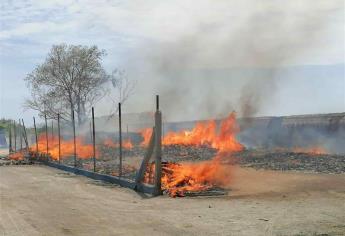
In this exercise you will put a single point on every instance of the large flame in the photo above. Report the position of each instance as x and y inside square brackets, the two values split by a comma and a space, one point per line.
[205, 133]
[180, 178]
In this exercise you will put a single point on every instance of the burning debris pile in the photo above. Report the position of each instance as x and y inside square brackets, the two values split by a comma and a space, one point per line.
[181, 179]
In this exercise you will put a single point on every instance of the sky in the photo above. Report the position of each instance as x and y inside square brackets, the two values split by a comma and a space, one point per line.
[205, 58]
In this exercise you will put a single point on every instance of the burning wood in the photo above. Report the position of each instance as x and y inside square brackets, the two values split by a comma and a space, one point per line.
[179, 179]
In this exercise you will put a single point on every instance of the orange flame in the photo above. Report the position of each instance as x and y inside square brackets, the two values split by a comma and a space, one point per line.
[180, 178]
[66, 147]
[146, 134]
[177, 179]
[314, 150]
[108, 142]
[18, 156]
[206, 134]
[126, 144]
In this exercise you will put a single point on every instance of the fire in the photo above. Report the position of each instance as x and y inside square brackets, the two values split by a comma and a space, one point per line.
[83, 149]
[314, 150]
[183, 177]
[177, 179]
[194, 177]
[108, 142]
[206, 134]
[146, 134]
[66, 147]
[126, 144]
[18, 156]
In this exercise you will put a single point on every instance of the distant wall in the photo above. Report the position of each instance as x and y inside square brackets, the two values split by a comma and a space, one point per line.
[324, 130]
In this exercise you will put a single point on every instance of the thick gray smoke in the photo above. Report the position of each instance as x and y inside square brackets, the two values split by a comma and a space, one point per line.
[216, 66]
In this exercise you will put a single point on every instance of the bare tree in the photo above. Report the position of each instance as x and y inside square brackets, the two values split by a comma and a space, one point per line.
[70, 79]
[123, 86]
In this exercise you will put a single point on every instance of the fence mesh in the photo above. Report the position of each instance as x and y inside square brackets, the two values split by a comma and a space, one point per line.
[64, 146]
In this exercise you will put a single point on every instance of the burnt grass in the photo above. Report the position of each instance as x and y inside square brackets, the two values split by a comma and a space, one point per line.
[261, 159]
[253, 158]
[257, 158]
[108, 161]
[286, 161]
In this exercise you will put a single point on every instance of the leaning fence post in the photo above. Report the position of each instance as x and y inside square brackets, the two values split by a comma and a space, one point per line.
[93, 140]
[59, 138]
[74, 141]
[47, 146]
[120, 141]
[36, 136]
[158, 149]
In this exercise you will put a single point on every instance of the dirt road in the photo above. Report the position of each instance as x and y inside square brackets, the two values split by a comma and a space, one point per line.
[38, 200]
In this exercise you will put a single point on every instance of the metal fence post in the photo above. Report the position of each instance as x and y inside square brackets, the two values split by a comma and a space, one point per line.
[120, 141]
[93, 140]
[158, 149]
[47, 144]
[20, 135]
[59, 138]
[9, 139]
[15, 135]
[74, 141]
[36, 136]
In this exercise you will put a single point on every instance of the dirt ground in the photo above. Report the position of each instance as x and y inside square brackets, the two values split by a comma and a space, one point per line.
[3, 152]
[38, 200]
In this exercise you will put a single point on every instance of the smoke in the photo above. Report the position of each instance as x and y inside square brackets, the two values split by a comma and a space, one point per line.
[231, 62]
